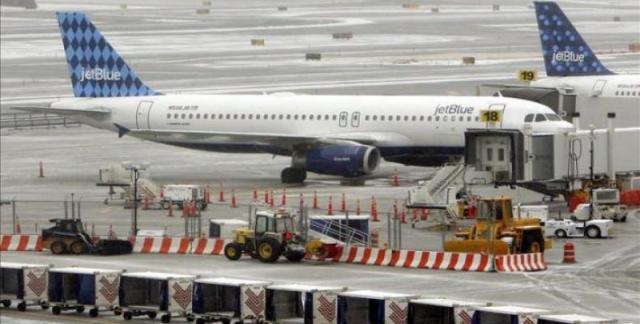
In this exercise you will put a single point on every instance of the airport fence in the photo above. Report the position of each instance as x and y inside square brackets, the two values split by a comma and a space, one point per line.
[115, 218]
[35, 120]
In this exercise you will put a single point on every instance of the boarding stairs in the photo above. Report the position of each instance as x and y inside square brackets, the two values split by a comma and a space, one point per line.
[337, 232]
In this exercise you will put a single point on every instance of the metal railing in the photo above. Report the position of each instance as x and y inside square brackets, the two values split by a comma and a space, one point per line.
[339, 231]
[35, 120]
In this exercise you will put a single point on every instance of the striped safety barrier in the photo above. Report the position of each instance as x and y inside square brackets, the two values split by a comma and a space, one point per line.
[455, 261]
[162, 245]
[25, 242]
[208, 246]
[520, 262]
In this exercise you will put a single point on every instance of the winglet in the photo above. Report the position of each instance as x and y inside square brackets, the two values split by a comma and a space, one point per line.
[122, 131]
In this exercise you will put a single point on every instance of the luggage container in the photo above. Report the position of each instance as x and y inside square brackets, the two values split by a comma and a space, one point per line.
[155, 293]
[573, 319]
[24, 283]
[440, 310]
[294, 303]
[79, 288]
[374, 307]
[506, 314]
[227, 299]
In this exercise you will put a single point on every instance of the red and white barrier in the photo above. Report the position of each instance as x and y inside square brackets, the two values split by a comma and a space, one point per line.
[162, 245]
[20, 242]
[520, 262]
[208, 246]
[436, 260]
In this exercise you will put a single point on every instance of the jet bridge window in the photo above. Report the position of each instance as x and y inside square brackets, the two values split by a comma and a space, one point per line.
[540, 118]
[528, 118]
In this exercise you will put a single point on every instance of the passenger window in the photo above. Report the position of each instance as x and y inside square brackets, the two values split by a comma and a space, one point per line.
[477, 118]
[326, 117]
[205, 116]
[413, 118]
[250, 116]
[311, 117]
[421, 118]
[257, 116]
[334, 117]
[190, 116]
[304, 117]
[398, 117]
[616, 93]
[366, 117]
[220, 116]
[445, 118]
[228, 116]
[382, 118]
[175, 116]
[288, 116]
[265, 116]
[528, 118]
[375, 117]
[197, 116]
[437, 118]
[242, 116]
[295, 116]
[235, 116]
[319, 117]
[168, 116]
[183, 116]
[429, 118]
[406, 118]
[540, 118]
[468, 118]
[461, 118]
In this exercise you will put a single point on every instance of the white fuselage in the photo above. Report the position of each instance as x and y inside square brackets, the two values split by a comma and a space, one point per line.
[600, 94]
[396, 125]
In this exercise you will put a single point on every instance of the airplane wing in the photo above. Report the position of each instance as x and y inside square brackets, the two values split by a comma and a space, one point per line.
[65, 111]
[286, 140]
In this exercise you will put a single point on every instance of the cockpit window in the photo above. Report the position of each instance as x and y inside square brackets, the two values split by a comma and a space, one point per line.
[528, 118]
[553, 117]
[540, 118]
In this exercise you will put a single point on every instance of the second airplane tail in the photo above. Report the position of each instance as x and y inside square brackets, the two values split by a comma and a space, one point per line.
[95, 67]
[565, 52]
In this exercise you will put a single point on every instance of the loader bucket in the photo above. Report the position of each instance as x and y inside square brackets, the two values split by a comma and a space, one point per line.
[477, 246]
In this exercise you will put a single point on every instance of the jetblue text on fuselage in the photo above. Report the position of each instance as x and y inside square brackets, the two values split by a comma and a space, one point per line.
[568, 57]
[453, 109]
[100, 75]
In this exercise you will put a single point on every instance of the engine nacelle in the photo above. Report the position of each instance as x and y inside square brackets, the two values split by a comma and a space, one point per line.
[341, 160]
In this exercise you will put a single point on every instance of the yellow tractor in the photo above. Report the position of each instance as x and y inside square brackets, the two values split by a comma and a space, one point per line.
[497, 232]
[273, 234]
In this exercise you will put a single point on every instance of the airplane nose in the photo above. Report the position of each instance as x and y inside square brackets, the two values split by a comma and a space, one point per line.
[568, 126]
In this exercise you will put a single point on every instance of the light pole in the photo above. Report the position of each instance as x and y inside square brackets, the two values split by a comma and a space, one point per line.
[135, 176]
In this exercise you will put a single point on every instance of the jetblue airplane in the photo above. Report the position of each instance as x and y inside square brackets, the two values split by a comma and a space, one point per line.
[334, 135]
[572, 65]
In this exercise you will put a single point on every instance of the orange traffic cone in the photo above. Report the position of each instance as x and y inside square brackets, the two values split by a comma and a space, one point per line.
[315, 199]
[330, 207]
[423, 214]
[233, 199]
[343, 203]
[266, 196]
[255, 194]
[358, 207]
[221, 194]
[284, 197]
[395, 181]
[271, 203]
[569, 253]
[374, 210]
[41, 170]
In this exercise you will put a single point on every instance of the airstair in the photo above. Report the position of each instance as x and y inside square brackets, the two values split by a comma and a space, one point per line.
[337, 232]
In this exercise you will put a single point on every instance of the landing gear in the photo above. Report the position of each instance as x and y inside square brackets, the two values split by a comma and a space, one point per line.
[293, 175]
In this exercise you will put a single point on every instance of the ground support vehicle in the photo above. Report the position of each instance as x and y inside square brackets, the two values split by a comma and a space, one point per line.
[69, 236]
[497, 232]
[25, 283]
[272, 235]
[596, 228]
[178, 194]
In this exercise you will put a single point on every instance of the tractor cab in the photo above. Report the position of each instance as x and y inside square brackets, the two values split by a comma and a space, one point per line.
[273, 234]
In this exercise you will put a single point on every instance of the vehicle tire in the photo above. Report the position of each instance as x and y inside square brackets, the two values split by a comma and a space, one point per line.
[560, 233]
[117, 311]
[233, 251]
[80, 309]
[165, 205]
[190, 318]
[127, 316]
[204, 206]
[78, 247]
[58, 247]
[93, 312]
[152, 315]
[226, 321]
[269, 250]
[22, 306]
[6, 303]
[166, 318]
[592, 232]
[624, 219]
[44, 305]
[532, 242]
[56, 310]
[200, 321]
[294, 256]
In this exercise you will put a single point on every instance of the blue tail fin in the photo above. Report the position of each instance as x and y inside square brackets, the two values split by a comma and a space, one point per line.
[565, 52]
[96, 68]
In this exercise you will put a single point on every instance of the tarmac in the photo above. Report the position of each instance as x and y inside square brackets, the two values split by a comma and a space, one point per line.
[394, 51]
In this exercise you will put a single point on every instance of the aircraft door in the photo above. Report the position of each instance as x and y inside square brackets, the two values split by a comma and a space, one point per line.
[143, 115]
[355, 119]
[493, 116]
[598, 87]
[494, 155]
[343, 119]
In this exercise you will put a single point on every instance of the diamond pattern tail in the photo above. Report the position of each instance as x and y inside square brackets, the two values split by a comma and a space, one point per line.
[95, 68]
